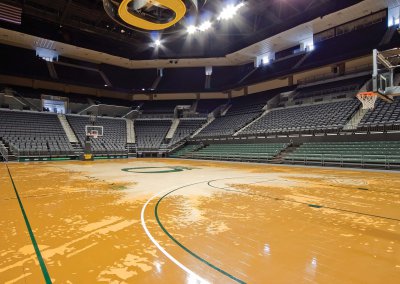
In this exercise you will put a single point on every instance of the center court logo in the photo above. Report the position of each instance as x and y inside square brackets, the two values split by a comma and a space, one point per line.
[156, 170]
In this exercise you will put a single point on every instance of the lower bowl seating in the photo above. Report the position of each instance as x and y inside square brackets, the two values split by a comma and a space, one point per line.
[364, 153]
[239, 152]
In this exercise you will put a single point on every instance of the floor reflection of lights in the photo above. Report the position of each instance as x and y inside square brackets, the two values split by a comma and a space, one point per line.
[255, 226]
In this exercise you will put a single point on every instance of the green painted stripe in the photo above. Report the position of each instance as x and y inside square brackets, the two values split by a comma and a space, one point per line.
[185, 248]
[361, 188]
[314, 206]
[31, 235]
[60, 159]
[300, 202]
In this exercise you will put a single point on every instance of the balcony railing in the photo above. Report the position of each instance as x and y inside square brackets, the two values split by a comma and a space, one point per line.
[387, 161]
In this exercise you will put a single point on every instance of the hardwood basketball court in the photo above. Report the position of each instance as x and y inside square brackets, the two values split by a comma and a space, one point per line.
[176, 221]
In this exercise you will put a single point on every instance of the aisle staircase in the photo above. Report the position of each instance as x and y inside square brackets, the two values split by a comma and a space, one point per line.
[352, 124]
[254, 121]
[77, 148]
[172, 129]
[185, 151]
[279, 159]
[6, 154]
[130, 131]
[210, 119]
[67, 129]
[131, 148]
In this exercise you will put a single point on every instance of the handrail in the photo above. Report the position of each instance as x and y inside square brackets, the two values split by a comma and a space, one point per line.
[356, 159]
[4, 152]
[349, 71]
[303, 131]
[154, 116]
[235, 157]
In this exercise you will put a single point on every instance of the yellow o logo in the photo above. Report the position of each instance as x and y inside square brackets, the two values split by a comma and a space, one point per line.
[174, 5]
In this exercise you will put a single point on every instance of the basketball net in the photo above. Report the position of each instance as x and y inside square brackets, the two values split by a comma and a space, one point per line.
[94, 134]
[367, 99]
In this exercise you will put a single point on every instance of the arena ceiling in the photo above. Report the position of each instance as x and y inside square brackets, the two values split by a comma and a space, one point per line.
[84, 23]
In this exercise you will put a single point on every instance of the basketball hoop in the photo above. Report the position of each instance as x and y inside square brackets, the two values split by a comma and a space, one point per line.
[367, 99]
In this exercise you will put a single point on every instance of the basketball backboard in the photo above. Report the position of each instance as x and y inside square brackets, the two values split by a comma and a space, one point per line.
[384, 81]
[94, 130]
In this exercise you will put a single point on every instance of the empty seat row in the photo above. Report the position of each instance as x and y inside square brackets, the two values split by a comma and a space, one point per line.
[113, 140]
[240, 152]
[332, 115]
[384, 114]
[368, 152]
[150, 134]
[34, 134]
[185, 128]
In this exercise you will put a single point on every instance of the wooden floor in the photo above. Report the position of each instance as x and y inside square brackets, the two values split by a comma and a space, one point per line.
[176, 221]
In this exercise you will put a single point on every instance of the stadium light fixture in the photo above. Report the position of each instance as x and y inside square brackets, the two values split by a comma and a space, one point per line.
[205, 26]
[229, 11]
[157, 43]
[191, 29]
[265, 60]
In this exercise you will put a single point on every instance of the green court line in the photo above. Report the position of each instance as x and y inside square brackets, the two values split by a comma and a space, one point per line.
[31, 235]
[300, 202]
[360, 188]
[185, 248]
[314, 205]
[157, 170]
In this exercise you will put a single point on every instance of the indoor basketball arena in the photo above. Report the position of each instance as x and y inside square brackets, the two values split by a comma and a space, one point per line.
[199, 141]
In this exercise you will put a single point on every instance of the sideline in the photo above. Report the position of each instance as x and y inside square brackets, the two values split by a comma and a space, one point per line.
[31, 235]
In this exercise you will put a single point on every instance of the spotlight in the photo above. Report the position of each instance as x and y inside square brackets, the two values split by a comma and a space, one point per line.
[191, 29]
[266, 60]
[157, 43]
[229, 11]
[205, 26]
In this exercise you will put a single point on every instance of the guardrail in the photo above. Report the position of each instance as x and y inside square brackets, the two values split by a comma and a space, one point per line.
[380, 128]
[304, 132]
[155, 116]
[232, 157]
[326, 76]
[31, 153]
[176, 145]
[387, 161]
